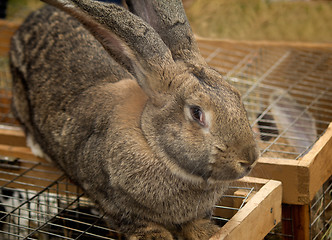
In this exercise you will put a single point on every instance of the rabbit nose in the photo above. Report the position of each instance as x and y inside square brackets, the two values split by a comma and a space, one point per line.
[246, 166]
[251, 154]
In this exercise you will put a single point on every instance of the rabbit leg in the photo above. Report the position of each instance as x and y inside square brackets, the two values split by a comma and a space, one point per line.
[151, 231]
[200, 229]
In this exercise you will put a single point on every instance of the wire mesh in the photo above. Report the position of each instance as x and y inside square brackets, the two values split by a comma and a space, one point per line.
[321, 213]
[39, 202]
[320, 218]
[287, 94]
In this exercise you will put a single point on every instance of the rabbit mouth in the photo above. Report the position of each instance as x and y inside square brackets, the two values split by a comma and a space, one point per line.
[247, 167]
[229, 172]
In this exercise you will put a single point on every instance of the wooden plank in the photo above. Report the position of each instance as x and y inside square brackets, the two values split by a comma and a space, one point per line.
[319, 162]
[301, 220]
[7, 29]
[296, 222]
[257, 217]
[245, 181]
[10, 24]
[287, 172]
[13, 136]
[19, 152]
[287, 222]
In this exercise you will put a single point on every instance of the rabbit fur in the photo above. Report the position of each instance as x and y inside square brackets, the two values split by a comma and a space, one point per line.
[123, 102]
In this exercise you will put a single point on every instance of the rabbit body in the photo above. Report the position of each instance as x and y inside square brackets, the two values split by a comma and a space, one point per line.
[152, 170]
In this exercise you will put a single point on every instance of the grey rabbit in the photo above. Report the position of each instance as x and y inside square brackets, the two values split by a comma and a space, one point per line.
[123, 102]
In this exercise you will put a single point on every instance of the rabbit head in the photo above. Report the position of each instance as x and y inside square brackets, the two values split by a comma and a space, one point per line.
[220, 131]
[193, 119]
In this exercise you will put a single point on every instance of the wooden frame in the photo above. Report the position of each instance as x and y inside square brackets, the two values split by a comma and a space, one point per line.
[301, 178]
[254, 221]
[7, 29]
[260, 214]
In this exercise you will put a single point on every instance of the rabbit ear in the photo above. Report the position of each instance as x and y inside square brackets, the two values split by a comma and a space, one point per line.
[169, 19]
[294, 120]
[127, 38]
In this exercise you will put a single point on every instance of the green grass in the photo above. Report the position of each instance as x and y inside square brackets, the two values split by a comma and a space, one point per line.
[20, 9]
[262, 20]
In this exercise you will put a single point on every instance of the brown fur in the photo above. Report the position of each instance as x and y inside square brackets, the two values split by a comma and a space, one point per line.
[117, 114]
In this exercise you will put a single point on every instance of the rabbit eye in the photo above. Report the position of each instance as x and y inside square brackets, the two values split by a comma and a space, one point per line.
[198, 115]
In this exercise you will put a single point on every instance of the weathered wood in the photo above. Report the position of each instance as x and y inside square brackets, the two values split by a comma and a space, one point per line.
[257, 217]
[12, 137]
[7, 29]
[319, 162]
[283, 170]
[301, 219]
[287, 222]
[296, 225]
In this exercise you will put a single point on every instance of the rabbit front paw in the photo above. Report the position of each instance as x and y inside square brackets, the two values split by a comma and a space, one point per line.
[200, 229]
[151, 232]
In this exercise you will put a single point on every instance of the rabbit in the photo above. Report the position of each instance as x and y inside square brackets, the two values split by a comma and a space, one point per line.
[122, 101]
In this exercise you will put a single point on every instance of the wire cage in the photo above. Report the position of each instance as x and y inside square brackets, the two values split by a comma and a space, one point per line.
[321, 214]
[287, 92]
[39, 202]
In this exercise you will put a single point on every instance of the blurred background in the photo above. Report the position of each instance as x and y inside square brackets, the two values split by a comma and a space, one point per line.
[289, 59]
[275, 20]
